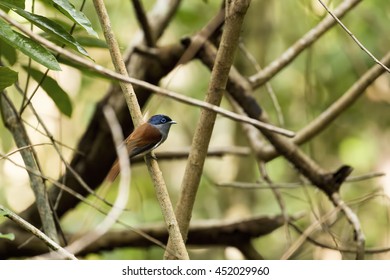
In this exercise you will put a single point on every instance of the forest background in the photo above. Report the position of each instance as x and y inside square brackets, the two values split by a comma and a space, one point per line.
[321, 193]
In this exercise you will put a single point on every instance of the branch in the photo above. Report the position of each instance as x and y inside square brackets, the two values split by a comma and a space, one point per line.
[354, 38]
[178, 245]
[144, 23]
[235, 12]
[122, 196]
[327, 117]
[36, 232]
[126, 79]
[328, 182]
[232, 232]
[309, 38]
[95, 151]
[14, 124]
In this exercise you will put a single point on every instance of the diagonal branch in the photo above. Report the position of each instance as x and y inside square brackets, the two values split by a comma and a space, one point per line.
[178, 245]
[327, 117]
[36, 232]
[354, 38]
[307, 40]
[130, 80]
[234, 17]
[328, 182]
[144, 23]
[14, 123]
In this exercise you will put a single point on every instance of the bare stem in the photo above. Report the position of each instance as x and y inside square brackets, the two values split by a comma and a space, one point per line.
[136, 114]
[235, 12]
[14, 123]
[307, 40]
[36, 232]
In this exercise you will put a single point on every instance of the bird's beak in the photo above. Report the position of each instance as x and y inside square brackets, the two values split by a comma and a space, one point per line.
[173, 122]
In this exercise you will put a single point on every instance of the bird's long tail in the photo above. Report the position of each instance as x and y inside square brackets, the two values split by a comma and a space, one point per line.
[114, 171]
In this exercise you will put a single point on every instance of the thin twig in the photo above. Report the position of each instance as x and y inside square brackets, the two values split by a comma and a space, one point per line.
[353, 219]
[309, 230]
[123, 192]
[307, 40]
[333, 111]
[278, 196]
[268, 85]
[340, 249]
[259, 186]
[354, 37]
[13, 122]
[36, 232]
[58, 150]
[292, 185]
[126, 79]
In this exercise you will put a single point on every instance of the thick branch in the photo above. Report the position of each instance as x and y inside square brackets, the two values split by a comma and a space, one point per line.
[235, 12]
[201, 233]
[15, 125]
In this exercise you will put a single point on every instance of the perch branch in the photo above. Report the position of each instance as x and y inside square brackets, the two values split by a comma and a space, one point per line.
[178, 245]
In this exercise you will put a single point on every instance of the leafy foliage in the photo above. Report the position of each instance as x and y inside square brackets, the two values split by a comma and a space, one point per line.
[28, 47]
[321, 74]
[7, 77]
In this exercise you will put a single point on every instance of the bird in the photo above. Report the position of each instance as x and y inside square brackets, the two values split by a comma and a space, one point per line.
[145, 138]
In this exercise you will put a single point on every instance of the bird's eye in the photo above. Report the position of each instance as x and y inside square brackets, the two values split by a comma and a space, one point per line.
[163, 120]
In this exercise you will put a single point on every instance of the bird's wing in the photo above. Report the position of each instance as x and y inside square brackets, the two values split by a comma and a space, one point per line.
[145, 138]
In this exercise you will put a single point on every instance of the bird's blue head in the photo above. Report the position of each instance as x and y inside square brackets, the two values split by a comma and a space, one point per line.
[160, 120]
[163, 124]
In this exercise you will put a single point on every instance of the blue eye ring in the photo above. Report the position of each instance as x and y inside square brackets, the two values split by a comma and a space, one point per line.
[163, 120]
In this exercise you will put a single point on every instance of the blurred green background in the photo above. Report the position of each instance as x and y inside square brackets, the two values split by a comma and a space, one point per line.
[305, 88]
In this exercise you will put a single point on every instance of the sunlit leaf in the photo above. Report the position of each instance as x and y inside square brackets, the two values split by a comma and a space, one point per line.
[51, 27]
[67, 8]
[28, 47]
[91, 42]
[9, 236]
[7, 77]
[8, 52]
[16, 3]
[55, 92]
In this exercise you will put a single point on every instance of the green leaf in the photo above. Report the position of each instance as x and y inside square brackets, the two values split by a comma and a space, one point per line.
[16, 3]
[56, 93]
[8, 52]
[28, 47]
[65, 7]
[9, 236]
[92, 42]
[7, 77]
[51, 27]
